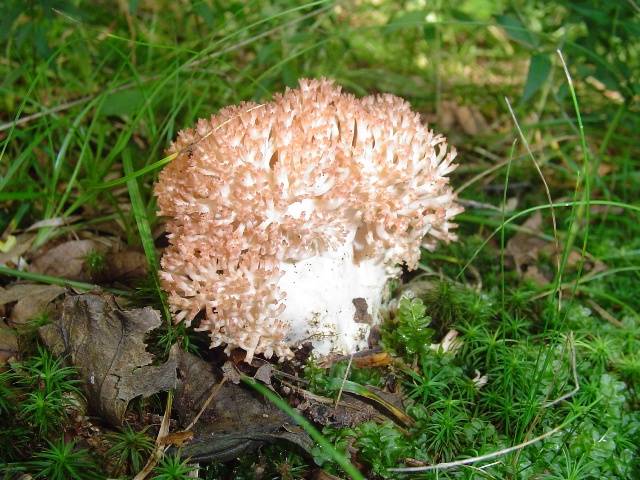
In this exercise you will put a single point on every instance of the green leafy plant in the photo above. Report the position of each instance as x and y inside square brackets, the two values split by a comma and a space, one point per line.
[172, 467]
[63, 461]
[129, 449]
[51, 391]
[95, 262]
[381, 446]
[409, 332]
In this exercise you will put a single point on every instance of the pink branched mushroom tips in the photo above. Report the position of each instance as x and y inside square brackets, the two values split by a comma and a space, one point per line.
[286, 219]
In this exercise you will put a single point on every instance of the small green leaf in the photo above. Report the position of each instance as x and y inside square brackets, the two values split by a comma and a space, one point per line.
[133, 6]
[125, 102]
[516, 30]
[405, 21]
[207, 13]
[539, 69]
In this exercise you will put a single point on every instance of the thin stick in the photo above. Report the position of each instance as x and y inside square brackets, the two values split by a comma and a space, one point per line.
[344, 379]
[160, 448]
[214, 391]
[604, 314]
[488, 456]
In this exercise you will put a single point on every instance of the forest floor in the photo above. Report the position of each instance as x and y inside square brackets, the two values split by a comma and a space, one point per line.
[533, 314]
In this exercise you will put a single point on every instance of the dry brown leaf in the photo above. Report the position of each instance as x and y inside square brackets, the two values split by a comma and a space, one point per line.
[373, 359]
[177, 439]
[236, 421]
[106, 344]
[8, 344]
[31, 300]
[125, 265]
[264, 373]
[524, 248]
[67, 260]
[469, 119]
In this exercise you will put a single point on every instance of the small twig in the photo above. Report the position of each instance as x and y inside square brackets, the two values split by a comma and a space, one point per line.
[214, 391]
[160, 447]
[344, 379]
[481, 458]
[574, 372]
[604, 314]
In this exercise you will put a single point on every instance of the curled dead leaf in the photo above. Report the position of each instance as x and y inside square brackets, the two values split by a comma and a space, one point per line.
[31, 300]
[177, 439]
[236, 421]
[106, 344]
[67, 260]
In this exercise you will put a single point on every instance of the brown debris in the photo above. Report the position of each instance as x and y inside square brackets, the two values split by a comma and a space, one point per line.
[30, 300]
[67, 260]
[106, 345]
[8, 344]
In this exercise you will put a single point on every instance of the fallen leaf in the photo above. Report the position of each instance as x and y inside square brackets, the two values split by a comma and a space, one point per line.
[177, 439]
[8, 344]
[350, 412]
[124, 265]
[469, 119]
[263, 374]
[106, 345]
[526, 249]
[237, 421]
[373, 359]
[31, 300]
[67, 260]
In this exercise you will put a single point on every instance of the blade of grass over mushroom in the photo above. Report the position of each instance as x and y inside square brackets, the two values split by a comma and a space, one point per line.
[136, 174]
[338, 457]
[144, 229]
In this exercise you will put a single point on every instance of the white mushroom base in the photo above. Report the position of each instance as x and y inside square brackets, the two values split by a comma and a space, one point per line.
[320, 300]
